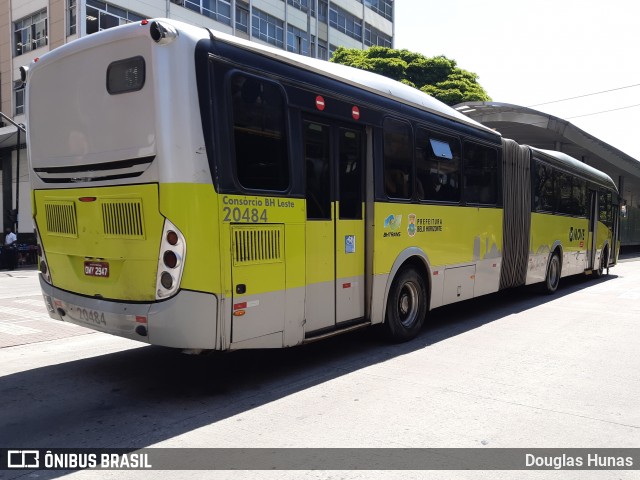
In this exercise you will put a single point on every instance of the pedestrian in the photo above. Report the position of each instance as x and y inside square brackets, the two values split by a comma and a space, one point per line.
[10, 250]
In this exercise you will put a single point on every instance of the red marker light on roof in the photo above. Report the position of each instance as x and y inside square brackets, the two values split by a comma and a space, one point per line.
[36, 59]
[144, 22]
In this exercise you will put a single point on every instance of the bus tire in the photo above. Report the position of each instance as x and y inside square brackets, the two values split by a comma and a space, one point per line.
[604, 260]
[406, 305]
[552, 278]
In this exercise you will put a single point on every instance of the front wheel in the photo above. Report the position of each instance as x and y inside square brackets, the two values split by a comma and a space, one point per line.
[553, 274]
[406, 305]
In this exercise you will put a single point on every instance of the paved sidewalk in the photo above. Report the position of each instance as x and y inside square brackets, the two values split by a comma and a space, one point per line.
[23, 315]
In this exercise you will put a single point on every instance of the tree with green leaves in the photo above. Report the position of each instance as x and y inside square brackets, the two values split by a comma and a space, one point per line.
[438, 76]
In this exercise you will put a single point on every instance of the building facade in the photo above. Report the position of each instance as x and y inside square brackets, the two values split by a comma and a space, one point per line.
[30, 28]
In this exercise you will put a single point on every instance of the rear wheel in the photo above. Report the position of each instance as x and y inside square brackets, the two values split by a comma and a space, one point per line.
[604, 261]
[553, 274]
[406, 305]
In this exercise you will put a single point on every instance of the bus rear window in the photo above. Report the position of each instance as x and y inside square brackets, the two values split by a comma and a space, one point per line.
[259, 134]
[126, 75]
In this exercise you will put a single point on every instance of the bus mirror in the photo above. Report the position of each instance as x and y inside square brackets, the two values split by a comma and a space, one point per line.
[162, 33]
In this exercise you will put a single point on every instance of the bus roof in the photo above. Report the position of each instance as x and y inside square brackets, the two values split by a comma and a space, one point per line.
[372, 82]
[361, 79]
[563, 160]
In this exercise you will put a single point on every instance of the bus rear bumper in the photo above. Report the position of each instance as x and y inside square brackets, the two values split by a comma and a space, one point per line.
[187, 320]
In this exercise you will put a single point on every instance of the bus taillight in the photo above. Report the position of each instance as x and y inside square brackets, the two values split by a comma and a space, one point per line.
[171, 261]
[172, 237]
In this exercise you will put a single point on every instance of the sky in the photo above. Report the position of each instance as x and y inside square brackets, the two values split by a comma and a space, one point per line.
[528, 52]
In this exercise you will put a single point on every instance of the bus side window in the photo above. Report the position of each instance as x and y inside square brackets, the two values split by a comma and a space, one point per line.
[316, 154]
[398, 159]
[543, 188]
[580, 196]
[480, 174]
[259, 133]
[605, 207]
[438, 166]
[571, 195]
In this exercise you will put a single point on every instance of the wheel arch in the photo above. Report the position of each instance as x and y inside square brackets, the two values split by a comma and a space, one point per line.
[556, 247]
[417, 258]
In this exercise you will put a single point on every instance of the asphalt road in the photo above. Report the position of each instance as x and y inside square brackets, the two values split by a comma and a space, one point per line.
[514, 369]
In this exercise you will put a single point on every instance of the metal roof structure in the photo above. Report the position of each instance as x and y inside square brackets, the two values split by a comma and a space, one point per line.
[9, 137]
[544, 131]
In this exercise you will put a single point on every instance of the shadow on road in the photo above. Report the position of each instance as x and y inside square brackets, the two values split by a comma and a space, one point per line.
[139, 397]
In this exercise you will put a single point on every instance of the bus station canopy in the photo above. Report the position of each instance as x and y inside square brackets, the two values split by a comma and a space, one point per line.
[541, 130]
[9, 137]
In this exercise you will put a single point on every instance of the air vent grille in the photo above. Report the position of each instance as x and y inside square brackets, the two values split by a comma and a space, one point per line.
[256, 245]
[123, 218]
[61, 218]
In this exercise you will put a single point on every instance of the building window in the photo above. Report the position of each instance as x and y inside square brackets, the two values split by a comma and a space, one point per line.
[102, 15]
[302, 5]
[322, 52]
[374, 37]
[323, 9]
[19, 97]
[268, 28]
[344, 22]
[71, 17]
[30, 33]
[219, 10]
[297, 40]
[242, 16]
[383, 7]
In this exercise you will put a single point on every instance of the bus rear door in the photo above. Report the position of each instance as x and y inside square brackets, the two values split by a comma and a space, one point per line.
[335, 254]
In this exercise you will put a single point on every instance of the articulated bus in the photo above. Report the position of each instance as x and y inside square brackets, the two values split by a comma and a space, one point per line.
[198, 191]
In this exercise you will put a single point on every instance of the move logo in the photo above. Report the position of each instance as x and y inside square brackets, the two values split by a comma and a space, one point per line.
[576, 234]
[393, 223]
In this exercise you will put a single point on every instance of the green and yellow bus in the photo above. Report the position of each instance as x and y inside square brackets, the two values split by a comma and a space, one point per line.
[198, 191]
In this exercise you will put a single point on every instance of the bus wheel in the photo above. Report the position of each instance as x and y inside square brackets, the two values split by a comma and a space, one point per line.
[553, 274]
[406, 305]
[604, 260]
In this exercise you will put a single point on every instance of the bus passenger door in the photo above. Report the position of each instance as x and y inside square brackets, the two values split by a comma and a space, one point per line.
[350, 275]
[592, 243]
[334, 159]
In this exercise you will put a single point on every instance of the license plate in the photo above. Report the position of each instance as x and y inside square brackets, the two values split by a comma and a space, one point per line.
[96, 269]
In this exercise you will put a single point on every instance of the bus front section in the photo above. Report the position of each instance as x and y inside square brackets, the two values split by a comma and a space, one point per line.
[119, 205]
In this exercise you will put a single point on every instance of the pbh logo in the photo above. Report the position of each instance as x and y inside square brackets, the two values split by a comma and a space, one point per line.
[576, 234]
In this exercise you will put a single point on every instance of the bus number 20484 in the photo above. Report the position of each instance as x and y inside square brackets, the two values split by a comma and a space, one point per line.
[249, 215]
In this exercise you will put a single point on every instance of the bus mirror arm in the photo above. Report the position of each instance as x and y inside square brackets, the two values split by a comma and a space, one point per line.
[161, 33]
